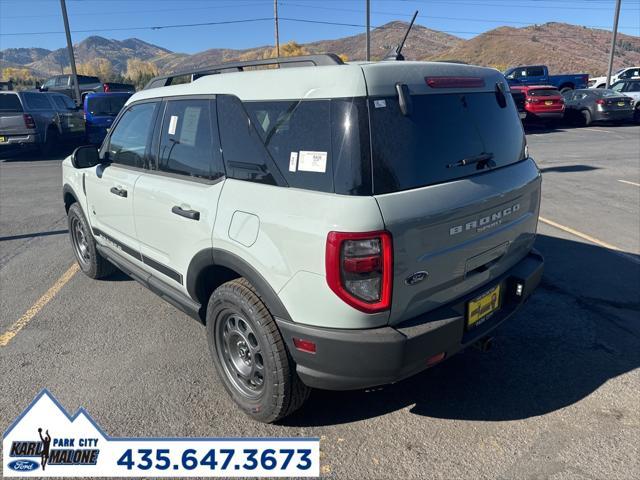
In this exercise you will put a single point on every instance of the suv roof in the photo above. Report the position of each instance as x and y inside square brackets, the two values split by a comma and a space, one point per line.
[334, 81]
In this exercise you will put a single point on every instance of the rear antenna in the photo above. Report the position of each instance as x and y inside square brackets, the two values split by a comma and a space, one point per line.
[396, 54]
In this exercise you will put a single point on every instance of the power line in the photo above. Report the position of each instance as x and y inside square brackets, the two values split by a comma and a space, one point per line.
[156, 27]
[129, 12]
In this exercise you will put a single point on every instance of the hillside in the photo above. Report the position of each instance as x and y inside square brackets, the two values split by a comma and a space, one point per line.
[563, 47]
[422, 42]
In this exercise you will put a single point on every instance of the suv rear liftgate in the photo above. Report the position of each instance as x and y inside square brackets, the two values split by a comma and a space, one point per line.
[460, 197]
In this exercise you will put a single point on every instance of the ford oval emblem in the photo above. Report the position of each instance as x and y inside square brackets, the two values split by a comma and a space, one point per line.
[23, 465]
[416, 277]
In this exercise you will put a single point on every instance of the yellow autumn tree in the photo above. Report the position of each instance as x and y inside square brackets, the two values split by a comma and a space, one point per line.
[289, 49]
[97, 67]
[139, 72]
[21, 75]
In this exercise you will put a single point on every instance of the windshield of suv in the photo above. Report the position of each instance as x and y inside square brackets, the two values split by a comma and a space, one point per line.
[106, 106]
[544, 92]
[9, 102]
[424, 147]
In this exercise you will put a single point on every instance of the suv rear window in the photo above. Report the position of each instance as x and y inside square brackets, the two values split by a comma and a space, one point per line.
[421, 149]
[544, 92]
[9, 102]
[106, 106]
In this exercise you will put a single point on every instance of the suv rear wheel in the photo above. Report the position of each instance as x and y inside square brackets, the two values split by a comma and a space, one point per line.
[90, 261]
[250, 355]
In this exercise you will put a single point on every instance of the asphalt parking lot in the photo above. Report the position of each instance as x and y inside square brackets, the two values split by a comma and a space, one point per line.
[558, 397]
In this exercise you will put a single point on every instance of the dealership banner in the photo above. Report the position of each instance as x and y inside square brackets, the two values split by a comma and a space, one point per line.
[45, 441]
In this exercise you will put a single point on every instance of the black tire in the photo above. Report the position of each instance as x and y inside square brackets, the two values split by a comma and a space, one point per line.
[636, 114]
[565, 89]
[250, 355]
[89, 259]
[50, 145]
[586, 118]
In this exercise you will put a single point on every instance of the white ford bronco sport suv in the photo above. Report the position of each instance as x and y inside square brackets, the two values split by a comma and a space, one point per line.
[335, 226]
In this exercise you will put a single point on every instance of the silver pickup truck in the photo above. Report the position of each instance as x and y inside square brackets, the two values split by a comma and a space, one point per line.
[40, 120]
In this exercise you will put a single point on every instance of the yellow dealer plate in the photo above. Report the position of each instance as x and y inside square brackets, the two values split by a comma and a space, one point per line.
[483, 306]
[3, 139]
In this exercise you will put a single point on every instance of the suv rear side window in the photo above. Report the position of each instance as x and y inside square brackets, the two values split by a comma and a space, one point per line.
[297, 134]
[130, 139]
[189, 140]
[245, 157]
[9, 102]
[422, 148]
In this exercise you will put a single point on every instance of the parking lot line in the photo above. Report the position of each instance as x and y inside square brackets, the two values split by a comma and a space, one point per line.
[591, 239]
[7, 336]
[630, 183]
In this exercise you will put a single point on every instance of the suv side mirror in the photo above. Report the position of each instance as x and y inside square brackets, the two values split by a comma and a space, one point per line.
[43, 88]
[85, 157]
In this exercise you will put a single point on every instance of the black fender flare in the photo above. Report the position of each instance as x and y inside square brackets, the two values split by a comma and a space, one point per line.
[67, 189]
[217, 257]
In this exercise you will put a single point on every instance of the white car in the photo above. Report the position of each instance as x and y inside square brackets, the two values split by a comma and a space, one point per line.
[622, 74]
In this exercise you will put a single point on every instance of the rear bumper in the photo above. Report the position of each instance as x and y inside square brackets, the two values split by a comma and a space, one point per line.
[619, 115]
[354, 359]
[23, 139]
[546, 115]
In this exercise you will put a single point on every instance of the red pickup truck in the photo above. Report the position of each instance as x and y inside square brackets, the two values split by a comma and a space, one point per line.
[541, 102]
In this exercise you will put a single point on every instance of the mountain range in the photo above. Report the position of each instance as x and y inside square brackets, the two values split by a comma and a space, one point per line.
[563, 47]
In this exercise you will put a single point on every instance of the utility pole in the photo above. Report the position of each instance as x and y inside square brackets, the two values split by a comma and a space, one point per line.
[613, 42]
[275, 17]
[368, 2]
[72, 60]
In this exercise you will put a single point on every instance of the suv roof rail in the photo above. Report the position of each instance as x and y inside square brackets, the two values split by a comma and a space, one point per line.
[285, 62]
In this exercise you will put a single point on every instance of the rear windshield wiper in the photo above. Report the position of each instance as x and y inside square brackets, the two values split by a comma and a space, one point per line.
[483, 160]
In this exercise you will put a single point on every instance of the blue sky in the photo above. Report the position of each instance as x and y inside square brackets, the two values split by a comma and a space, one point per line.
[22, 22]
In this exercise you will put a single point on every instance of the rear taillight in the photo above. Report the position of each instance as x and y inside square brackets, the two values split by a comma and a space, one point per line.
[454, 82]
[600, 101]
[105, 87]
[28, 121]
[360, 269]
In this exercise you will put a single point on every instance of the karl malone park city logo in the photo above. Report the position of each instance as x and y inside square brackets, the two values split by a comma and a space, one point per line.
[46, 437]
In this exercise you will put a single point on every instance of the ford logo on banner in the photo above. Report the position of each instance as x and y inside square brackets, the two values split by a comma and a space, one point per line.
[23, 465]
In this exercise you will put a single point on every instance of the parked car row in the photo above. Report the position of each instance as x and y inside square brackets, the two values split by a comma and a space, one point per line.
[586, 105]
[87, 84]
[45, 120]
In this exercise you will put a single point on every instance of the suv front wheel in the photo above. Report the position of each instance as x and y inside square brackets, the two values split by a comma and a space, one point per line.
[250, 355]
[89, 259]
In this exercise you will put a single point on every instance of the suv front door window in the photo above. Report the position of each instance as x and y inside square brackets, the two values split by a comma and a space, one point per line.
[110, 185]
[130, 139]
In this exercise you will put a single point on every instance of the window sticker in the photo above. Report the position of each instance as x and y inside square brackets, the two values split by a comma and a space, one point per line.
[189, 126]
[380, 103]
[293, 161]
[173, 124]
[312, 162]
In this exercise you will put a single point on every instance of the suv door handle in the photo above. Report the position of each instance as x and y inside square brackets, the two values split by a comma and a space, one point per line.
[118, 191]
[191, 214]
